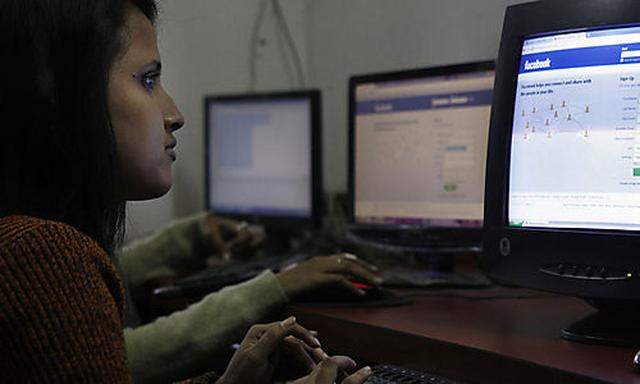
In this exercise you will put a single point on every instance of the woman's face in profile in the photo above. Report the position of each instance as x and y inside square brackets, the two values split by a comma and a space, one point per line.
[143, 115]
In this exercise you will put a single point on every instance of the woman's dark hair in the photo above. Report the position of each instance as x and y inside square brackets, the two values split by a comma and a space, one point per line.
[57, 146]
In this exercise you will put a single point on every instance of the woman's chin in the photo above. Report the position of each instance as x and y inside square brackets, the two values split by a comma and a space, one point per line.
[148, 192]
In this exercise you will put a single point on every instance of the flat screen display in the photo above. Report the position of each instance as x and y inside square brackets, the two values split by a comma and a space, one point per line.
[420, 150]
[260, 162]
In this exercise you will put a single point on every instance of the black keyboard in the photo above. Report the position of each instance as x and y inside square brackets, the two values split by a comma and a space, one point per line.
[213, 279]
[416, 278]
[412, 239]
[389, 374]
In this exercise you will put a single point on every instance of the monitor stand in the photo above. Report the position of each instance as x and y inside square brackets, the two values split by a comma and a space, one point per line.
[432, 269]
[615, 323]
[423, 266]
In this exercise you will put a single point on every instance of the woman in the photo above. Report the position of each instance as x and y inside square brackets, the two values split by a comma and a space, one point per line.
[87, 126]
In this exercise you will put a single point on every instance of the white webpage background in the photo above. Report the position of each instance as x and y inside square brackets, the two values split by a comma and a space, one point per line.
[402, 164]
[279, 175]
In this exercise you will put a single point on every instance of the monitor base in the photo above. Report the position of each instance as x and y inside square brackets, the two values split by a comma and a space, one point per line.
[417, 278]
[615, 327]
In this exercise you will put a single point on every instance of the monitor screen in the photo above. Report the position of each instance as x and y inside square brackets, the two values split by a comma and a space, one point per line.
[575, 144]
[260, 156]
[419, 149]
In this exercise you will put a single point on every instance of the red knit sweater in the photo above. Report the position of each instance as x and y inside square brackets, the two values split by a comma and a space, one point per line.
[61, 306]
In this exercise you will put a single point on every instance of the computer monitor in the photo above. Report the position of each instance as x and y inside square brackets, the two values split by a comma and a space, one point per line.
[263, 157]
[562, 209]
[417, 153]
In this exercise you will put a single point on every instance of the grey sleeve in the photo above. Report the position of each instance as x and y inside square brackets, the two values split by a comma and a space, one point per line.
[166, 253]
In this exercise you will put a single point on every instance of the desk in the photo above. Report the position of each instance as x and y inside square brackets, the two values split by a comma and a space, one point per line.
[479, 336]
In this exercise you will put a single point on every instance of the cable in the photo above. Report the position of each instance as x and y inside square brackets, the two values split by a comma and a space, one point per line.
[285, 32]
[253, 47]
[480, 298]
[284, 26]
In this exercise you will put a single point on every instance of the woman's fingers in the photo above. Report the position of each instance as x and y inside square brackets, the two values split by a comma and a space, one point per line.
[268, 337]
[341, 282]
[241, 239]
[257, 237]
[327, 371]
[305, 335]
[361, 262]
[277, 331]
[318, 354]
[345, 363]
[359, 377]
[210, 232]
[362, 274]
[348, 266]
[300, 352]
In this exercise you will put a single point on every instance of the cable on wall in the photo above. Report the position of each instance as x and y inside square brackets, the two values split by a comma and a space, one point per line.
[284, 27]
[284, 30]
[253, 48]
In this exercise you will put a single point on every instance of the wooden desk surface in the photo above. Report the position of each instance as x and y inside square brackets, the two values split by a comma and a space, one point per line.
[495, 335]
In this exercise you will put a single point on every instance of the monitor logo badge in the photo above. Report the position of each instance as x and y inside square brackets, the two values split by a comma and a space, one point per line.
[538, 64]
[505, 246]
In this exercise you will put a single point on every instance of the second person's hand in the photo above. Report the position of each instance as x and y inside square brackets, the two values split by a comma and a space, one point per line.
[328, 274]
[219, 235]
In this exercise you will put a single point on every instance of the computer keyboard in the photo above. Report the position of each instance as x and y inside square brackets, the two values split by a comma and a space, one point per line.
[416, 278]
[213, 279]
[408, 237]
[389, 374]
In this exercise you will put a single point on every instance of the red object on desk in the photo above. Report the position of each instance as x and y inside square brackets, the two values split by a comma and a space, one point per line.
[362, 286]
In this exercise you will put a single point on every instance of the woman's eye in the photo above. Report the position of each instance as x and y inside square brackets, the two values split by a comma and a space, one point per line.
[149, 80]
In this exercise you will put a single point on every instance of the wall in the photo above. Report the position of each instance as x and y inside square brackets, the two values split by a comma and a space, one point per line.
[205, 47]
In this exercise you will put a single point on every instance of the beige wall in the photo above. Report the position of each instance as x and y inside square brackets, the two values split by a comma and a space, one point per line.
[205, 47]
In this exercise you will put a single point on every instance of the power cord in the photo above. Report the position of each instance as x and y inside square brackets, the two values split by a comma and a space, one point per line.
[282, 20]
[481, 298]
[284, 31]
[253, 49]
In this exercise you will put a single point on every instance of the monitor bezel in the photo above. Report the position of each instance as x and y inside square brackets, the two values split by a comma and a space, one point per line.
[531, 248]
[432, 233]
[314, 97]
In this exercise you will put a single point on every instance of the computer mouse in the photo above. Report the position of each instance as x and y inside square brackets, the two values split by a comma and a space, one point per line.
[636, 362]
[371, 291]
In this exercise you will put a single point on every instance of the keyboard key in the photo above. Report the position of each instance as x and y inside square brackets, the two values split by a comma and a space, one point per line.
[389, 374]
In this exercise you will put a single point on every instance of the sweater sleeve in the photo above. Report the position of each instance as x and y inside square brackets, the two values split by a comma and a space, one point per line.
[60, 316]
[182, 344]
[164, 254]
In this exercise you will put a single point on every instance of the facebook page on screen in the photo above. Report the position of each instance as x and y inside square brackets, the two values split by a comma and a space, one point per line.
[420, 146]
[575, 145]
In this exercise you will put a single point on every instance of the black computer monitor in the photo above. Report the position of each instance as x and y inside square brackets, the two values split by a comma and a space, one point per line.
[562, 209]
[263, 158]
[417, 149]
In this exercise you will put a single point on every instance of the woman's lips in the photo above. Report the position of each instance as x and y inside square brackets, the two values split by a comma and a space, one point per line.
[171, 152]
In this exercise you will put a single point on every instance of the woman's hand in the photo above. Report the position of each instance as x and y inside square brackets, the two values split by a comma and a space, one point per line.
[297, 358]
[328, 275]
[265, 346]
[327, 372]
[219, 235]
